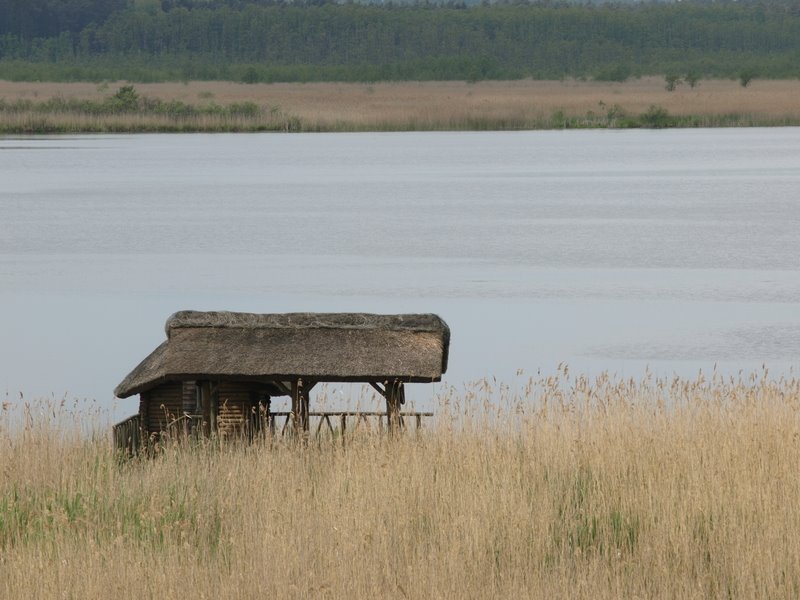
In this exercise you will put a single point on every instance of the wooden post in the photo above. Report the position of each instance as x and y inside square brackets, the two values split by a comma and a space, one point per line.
[266, 419]
[395, 396]
[295, 405]
[299, 406]
[271, 421]
[205, 408]
[213, 401]
[304, 421]
[189, 408]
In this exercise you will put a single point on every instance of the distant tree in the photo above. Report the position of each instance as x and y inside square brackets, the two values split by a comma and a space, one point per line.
[619, 73]
[250, 75]
[370, 40]
[125, 100]
[672, 81]
[31, 19]
[692, 78]
[746, 77]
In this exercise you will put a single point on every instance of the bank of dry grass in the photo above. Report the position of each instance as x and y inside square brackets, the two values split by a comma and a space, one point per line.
[31, 122]
[562, 488]
[523, 104]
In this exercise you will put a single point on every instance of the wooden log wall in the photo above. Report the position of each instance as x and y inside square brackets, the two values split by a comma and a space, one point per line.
[161, 407]
[235, 404]
[190, 404]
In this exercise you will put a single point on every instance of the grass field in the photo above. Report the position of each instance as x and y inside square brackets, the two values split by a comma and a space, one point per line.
[560, 487]
[523, 104]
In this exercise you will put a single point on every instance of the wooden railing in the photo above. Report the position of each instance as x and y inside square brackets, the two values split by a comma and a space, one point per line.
[130, 436]
[361, 417]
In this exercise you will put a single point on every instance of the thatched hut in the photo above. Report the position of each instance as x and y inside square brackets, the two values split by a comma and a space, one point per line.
[217, 371]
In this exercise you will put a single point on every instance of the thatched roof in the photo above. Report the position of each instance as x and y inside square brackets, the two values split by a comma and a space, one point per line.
[282, 347]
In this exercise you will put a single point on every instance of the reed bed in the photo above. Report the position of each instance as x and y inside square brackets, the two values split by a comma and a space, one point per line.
[553, 487]
[30, 122]
[406, 106]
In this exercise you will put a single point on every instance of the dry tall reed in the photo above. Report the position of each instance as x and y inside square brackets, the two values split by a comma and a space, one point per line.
[554, 487]
[403, 106]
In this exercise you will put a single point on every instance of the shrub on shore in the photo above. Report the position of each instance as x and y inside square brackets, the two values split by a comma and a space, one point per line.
[128, 111]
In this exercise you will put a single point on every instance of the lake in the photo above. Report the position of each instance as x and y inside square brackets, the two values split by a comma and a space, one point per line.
[607, 250]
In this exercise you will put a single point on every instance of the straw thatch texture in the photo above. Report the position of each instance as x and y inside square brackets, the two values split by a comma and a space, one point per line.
[316, 346]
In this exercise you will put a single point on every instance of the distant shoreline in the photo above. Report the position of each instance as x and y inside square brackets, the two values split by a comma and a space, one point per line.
[199, 106]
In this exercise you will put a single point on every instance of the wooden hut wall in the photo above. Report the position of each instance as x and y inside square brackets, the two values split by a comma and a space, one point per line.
[235, 404]
[161, 406]
[190, 398]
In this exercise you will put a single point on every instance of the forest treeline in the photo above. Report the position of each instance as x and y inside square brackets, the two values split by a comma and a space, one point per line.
[260, 40]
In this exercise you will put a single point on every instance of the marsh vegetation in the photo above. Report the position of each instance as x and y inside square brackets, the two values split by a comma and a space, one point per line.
[410, 106]
[555, 486]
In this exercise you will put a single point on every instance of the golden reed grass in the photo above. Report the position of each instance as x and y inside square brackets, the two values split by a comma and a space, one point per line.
[522, 104]
[557, 487]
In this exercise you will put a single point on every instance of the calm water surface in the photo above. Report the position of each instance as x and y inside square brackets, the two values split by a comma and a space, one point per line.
[619, 251]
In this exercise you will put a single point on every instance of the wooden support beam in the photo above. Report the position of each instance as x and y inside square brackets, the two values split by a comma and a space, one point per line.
[285, 389]
[214, 388]
[378, 388]
[395, 396]
[286, 424]
[264, 415]
[304, 402]
[299, 407]
[295, 395]
[207, 413]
